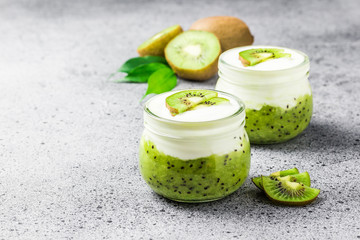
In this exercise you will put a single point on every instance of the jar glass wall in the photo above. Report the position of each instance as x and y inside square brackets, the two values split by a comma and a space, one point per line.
[278, 102]
[195, 161]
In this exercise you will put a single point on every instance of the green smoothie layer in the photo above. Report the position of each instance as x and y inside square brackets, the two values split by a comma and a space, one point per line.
[275, 124]
[197, 180]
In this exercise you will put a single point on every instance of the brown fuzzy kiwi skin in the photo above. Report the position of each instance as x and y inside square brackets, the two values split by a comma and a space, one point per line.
[198, 74]
[157, 48]
[245, 62]
[172, 110]
[231, 31]
[288, 203]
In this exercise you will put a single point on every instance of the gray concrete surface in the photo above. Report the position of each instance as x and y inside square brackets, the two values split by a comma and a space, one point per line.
[69, 137]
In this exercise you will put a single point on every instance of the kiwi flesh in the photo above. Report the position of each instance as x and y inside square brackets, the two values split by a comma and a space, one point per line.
[211, 102]
[184, 100]
[288, 193]
[258, 183]
[155, 45]
[303, 178]
[194, 55]
[255, 56]
[285, 172]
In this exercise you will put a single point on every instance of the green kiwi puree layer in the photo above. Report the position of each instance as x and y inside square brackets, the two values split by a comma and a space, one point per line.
[275, 124]
[197, 180]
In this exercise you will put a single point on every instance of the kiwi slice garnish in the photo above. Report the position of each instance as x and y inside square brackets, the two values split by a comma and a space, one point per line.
[286, 192]
[184, 100]
[255, 56]
[257, 180]
[211, 102]
[194, 54]
[155, 45]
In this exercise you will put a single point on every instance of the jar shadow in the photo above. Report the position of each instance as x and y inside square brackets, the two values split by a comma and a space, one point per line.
[322, 137]
[248, 203]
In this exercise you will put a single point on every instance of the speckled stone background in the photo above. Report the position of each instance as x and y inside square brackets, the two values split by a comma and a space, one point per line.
[69, 137]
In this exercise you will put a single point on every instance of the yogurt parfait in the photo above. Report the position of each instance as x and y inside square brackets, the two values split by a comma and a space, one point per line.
[194, 147]
[273, 83]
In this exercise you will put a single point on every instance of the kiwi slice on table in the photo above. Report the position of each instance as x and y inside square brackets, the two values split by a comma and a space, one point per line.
[257, 180]
[211, 102]
[283, 173]
[155, 45]
[303, 177]
[288, 193]
[194, 54]
[255, 56]
[184, 100]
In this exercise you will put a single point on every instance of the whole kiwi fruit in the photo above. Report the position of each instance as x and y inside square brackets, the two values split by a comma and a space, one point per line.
[231, 31]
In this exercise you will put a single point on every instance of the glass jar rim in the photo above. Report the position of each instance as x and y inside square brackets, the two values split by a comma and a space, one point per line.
[176, 122]
[232, 67]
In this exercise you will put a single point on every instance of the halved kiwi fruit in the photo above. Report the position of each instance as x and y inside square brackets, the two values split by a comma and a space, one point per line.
[257, 180]
[184, 100]
[194, 54]
[211, 102]
[155, 45]
[287, 192]
[255, 56]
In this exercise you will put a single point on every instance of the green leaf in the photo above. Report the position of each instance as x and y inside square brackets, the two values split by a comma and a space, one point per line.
[142, 73]
[138, 61]
[162, 80]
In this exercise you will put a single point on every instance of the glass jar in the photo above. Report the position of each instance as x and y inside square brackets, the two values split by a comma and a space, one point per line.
[194, 161]
[278, 102]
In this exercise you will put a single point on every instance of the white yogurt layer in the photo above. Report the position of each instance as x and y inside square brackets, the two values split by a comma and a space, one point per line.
[231, 57]
[158, 107]
[278, 95]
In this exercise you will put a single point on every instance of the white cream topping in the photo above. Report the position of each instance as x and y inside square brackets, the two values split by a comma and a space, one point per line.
[188, 150]
[231, 57]
[158, 107]
[185, 141]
